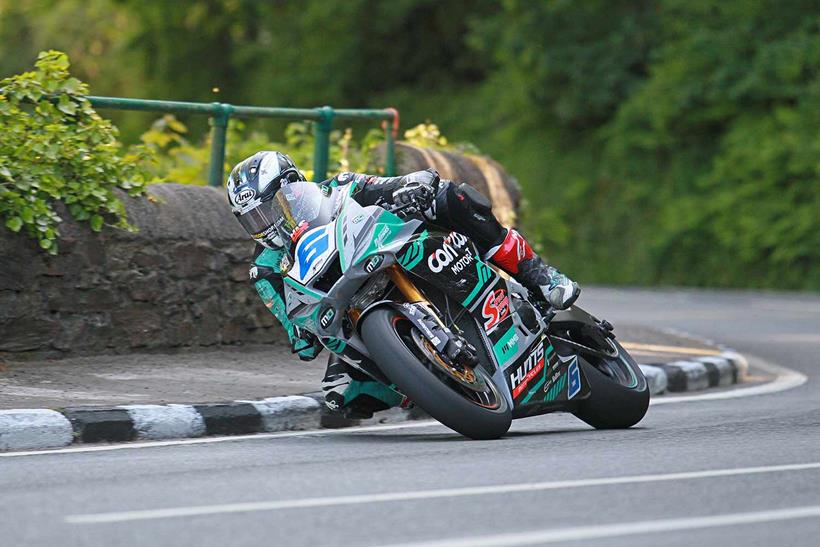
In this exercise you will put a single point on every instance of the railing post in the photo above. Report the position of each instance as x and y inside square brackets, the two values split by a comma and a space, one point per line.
[321, 147]
[391, 129]
[219, 125]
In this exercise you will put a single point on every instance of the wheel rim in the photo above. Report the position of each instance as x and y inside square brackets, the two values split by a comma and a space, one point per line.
[481, 391]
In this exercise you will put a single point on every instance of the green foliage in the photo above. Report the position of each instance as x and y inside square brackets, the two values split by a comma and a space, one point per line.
[677, 139]
[576, 60]
[716, 152]
[428, 135]
[54, 147]
[185, 162]
[657, 141]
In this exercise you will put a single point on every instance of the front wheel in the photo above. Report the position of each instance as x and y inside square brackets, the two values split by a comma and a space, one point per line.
[473, 407]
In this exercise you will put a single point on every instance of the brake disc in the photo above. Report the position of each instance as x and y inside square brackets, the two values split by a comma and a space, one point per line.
[465, 376]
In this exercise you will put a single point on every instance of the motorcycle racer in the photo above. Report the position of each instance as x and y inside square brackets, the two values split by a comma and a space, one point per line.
[254, 182]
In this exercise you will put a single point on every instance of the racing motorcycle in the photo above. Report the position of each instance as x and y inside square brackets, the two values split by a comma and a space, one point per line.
[420, 311]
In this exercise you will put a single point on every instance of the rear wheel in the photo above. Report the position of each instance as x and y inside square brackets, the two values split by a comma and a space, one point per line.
[466, 401]
[619, 395]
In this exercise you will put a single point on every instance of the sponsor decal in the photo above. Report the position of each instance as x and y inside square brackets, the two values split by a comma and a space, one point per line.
[327, 318]
[425, 330]
[520, 246]
[358, 219]
[496, 309]
[556, 388]
[524, 374]
[326, 190]
[551, 382]
[310, 249]
[448, 253]
[373, 263]
[507, 346]
[574, 385]
[462, 263]
[343, 177]
[285, 264]
[253, 273]
[265, 233]
[568, 378]
[383, 233]
[412, 310]
[244, 196]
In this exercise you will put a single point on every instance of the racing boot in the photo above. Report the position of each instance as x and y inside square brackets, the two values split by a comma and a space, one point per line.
[515, 256]
[355, 395]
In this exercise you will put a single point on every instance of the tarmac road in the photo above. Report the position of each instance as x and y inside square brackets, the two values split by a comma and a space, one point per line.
[736, 471]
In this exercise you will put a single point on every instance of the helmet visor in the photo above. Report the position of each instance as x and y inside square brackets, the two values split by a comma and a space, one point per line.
[259, 222]
[294, 209]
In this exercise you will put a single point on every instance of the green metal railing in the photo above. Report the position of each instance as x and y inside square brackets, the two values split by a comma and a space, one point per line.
[220, 113]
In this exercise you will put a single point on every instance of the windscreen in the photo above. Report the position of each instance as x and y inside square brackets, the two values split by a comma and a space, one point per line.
[301, 206]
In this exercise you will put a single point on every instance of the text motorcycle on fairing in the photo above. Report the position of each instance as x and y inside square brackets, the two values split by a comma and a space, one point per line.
[421, 312]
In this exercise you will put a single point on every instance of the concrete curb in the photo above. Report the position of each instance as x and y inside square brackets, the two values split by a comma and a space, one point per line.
[41, 428]
[34, 428]
[721, 370]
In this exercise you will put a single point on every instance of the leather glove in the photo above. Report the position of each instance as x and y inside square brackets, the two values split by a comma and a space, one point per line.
[419, 189]
[305, 344]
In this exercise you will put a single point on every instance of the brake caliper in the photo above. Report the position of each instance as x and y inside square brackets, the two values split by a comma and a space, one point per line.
[451, 346]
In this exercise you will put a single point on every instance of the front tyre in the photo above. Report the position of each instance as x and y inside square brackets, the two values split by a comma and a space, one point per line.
[388, 337]
[619, 395]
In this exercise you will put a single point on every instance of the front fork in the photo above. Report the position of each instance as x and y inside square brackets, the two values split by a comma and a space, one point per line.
[406, 287]
[452, 346]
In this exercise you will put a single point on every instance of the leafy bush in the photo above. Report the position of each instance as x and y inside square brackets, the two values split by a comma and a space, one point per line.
[185, 162]
[676, 139]
[428, 135]
[54, 147]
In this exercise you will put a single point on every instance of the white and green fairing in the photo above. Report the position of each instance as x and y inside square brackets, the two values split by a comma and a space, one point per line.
[330, 263]
[338, 262]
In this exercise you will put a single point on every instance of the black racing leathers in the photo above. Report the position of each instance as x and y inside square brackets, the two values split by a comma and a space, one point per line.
[459, 208]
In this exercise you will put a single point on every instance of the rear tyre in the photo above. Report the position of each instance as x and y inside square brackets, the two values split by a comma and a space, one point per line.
[385, 333]
[619, 395]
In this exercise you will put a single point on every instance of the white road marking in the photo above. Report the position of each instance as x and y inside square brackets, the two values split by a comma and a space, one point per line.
[785, 379]
[556, 535]
[175, 512]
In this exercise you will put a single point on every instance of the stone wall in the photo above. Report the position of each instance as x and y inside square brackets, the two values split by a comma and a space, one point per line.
[180, 281]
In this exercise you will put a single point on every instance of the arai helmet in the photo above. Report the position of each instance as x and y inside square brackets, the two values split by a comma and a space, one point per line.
[251, 187]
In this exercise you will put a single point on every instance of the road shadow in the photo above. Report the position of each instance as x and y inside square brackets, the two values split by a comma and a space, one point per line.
[449, 437]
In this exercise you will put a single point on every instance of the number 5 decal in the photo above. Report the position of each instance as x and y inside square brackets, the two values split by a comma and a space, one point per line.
[311, 248]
